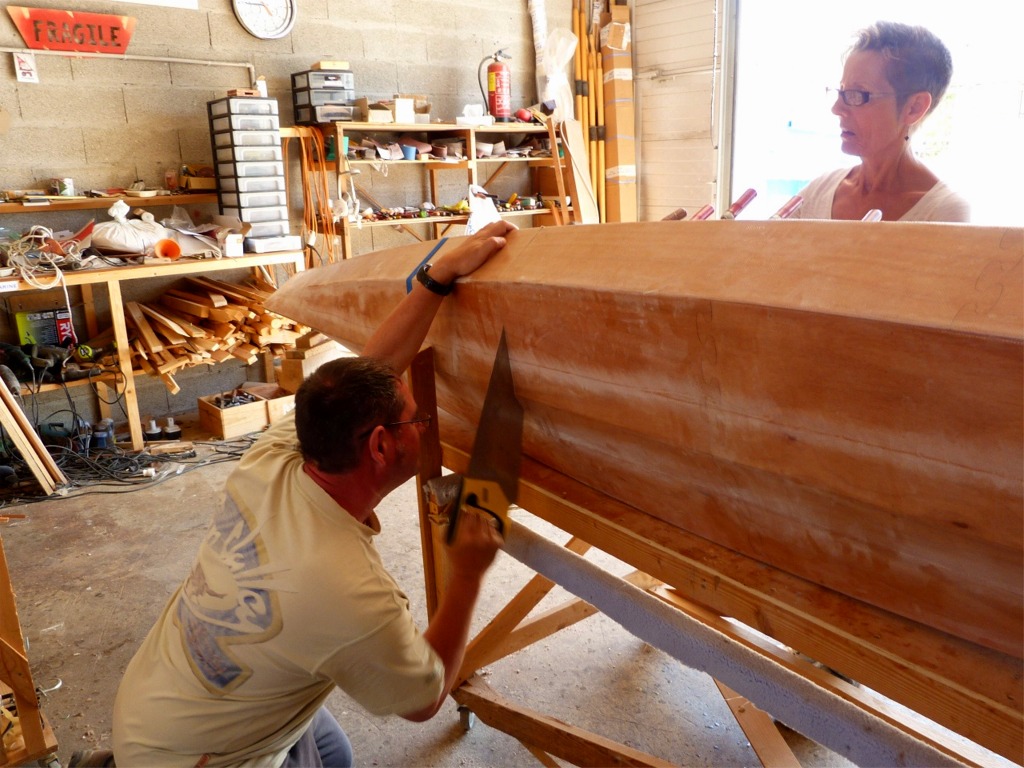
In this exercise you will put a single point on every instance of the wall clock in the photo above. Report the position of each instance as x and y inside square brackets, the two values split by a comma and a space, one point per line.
[266, 19]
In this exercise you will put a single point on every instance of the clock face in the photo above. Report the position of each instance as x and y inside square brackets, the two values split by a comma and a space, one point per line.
[266, 19]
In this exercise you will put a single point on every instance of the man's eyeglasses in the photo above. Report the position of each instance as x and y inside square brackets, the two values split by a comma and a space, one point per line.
[855, 98]
[421, 419]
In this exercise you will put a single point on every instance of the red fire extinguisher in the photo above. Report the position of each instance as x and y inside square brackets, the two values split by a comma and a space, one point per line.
[499, 87]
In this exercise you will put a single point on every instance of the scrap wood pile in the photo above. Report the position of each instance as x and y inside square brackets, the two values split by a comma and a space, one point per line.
[204, 322]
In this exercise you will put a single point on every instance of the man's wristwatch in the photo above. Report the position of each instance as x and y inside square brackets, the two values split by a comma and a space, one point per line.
[431, 284]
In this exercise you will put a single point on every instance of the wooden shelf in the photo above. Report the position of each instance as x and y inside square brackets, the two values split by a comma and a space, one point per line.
[87, 203]
[469, 165]
[112, 277]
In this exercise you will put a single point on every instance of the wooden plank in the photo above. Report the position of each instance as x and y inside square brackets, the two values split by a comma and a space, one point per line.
[223, 330]
[28, 442]
[311, 340]
[27, 451]
[246, 352]
[184, 305]
[16, 676]
[233, 292]
[165, 321]
[172, 338]
[146, 365]
[14, 666]
[188, 328]
[975, 693]
[208, 298]
[310, 353]
[206, 344]
[761, 731]
[205, 298]
[232, 313]
[481, 648]
[145, 330]
[171, 363]
[546, 733]
[170, 383]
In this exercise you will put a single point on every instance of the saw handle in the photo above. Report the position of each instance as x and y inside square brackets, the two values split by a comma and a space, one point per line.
[487, 497]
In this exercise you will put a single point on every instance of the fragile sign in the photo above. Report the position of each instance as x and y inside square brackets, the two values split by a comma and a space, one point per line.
[53, 30]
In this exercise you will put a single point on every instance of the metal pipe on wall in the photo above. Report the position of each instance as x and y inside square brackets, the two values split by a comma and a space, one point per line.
[134, 57]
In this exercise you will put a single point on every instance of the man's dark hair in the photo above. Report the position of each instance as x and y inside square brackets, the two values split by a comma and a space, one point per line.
[337, 406]
[916, 60]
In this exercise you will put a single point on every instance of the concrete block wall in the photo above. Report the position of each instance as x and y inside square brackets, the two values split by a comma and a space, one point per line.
[106, 122]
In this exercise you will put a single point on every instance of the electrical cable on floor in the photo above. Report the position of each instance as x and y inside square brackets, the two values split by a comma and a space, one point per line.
[113, 470]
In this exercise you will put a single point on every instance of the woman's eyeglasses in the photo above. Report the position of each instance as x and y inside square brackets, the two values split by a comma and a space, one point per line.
[853, 98]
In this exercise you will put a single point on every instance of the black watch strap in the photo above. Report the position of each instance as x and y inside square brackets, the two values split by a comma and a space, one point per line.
[431, 284]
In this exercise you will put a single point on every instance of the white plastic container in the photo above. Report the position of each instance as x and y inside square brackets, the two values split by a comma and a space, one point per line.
[243, 106]
[247, 138]
[251, 184]
[250, 169]
[324, 78]
[268, 229]
[254, 199]
[317, 97]
[247, 123]
[258, 215]
[248, 154]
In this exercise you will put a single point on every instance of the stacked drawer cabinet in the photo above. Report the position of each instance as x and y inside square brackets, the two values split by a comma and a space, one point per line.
[323, 96]
[245, 133]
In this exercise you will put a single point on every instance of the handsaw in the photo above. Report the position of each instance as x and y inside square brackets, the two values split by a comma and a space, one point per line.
[491, 482]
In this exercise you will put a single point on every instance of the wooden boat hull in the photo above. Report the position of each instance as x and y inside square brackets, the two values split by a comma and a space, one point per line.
[840, 401]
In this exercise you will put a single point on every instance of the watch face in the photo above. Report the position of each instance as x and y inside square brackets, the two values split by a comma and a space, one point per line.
[266, 19]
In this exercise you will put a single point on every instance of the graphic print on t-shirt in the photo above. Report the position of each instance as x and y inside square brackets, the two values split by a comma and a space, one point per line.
[227, 600]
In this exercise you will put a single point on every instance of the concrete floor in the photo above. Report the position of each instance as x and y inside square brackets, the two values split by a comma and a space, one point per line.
[91, 573]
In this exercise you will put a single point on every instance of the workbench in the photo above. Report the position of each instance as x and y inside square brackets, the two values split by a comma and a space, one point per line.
[112, 278]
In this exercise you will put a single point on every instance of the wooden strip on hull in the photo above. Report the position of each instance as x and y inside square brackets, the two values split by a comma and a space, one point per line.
[843, 402]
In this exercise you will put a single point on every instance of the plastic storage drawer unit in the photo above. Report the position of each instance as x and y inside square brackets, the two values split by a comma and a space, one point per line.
[318, 97]
[248, 154]
[246, 123]
[251, 183]
[324, 78]
[258, 215]
[242, 106]
[245, 136]
[253, 199]
[247, 139]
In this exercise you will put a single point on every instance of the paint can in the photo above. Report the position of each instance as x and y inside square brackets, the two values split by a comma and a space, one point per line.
[63, 187]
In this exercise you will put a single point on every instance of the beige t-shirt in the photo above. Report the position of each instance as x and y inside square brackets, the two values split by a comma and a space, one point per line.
[286, 599]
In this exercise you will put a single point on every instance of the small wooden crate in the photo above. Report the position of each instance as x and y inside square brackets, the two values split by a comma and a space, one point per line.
[226, 423]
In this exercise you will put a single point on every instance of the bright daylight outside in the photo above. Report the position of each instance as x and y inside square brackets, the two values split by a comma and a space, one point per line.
[790, 51]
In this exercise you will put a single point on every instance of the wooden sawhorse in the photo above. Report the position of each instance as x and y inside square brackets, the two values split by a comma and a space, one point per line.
[678, 577]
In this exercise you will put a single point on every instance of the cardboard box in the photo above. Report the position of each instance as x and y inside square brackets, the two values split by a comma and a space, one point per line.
[193, 183]
[47, 327]
[270, 404]
[299, 363]
[329, 65]
[372, 112]
[620, 174]
[615, 36]
[404, 111]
